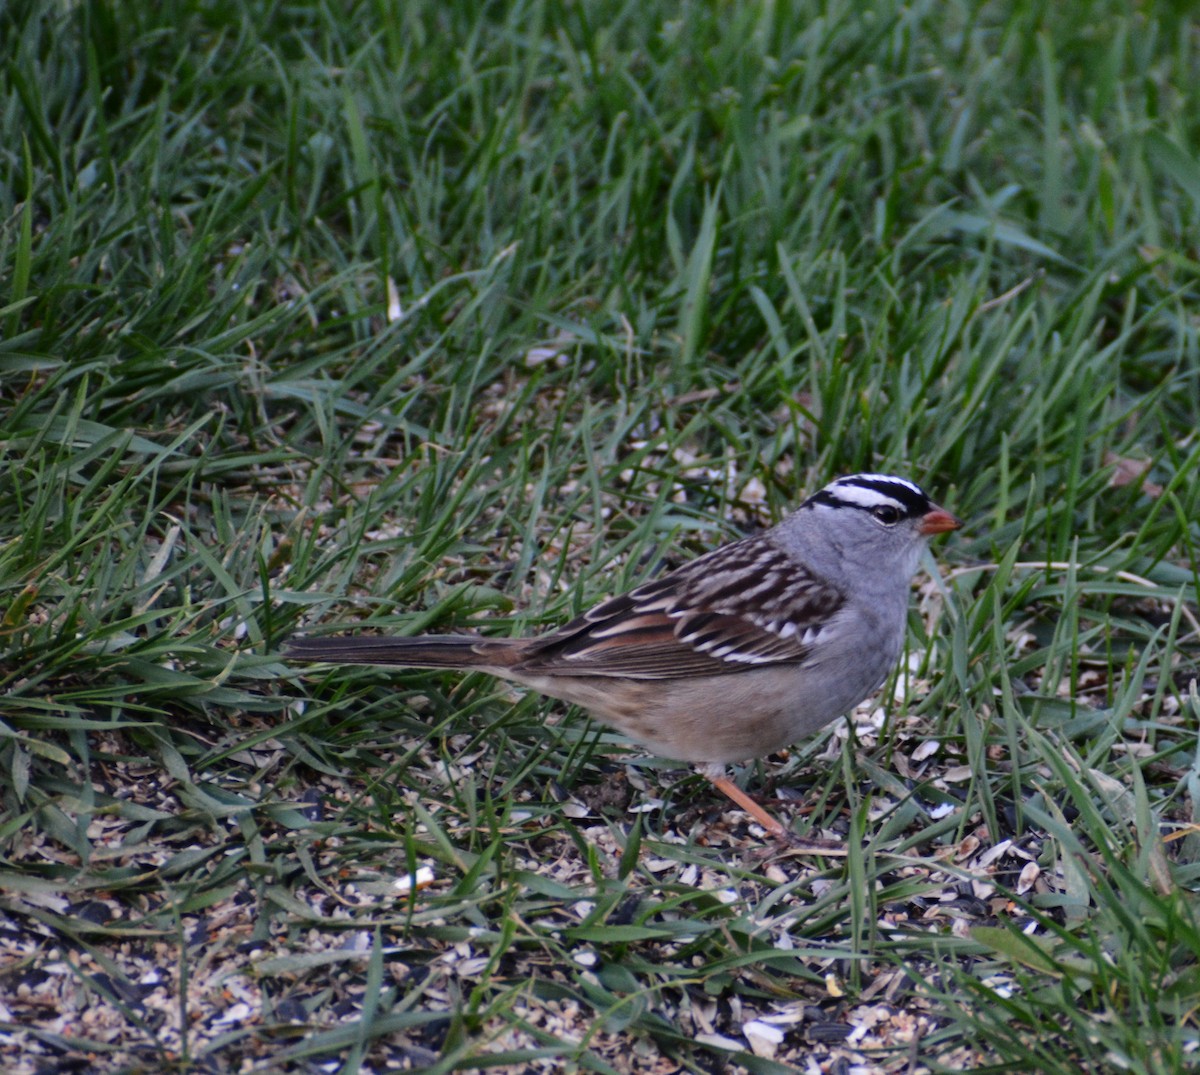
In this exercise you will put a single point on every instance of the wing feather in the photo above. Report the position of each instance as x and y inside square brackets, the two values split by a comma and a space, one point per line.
[741, 606]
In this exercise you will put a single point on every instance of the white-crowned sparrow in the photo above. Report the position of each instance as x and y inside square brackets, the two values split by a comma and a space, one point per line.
[732, 656]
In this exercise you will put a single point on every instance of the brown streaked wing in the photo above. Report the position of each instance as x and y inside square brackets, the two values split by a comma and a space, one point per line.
[738, 607]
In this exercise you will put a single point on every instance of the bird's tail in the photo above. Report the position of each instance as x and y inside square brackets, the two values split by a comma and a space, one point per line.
[422, 651]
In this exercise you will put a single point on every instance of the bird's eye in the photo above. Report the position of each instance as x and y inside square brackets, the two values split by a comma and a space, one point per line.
[887, 514]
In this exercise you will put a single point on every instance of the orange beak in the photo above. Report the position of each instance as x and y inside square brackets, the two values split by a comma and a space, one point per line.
[938, 521]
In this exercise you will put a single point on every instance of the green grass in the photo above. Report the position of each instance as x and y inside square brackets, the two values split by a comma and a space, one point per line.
[422, 314]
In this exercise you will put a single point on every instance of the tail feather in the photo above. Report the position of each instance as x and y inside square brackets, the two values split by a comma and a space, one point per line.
[422, 651]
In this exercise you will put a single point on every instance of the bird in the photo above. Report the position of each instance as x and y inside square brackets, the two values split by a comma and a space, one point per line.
[736, 654]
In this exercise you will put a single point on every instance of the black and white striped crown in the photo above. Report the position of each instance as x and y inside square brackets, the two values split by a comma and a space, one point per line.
[870, 492]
